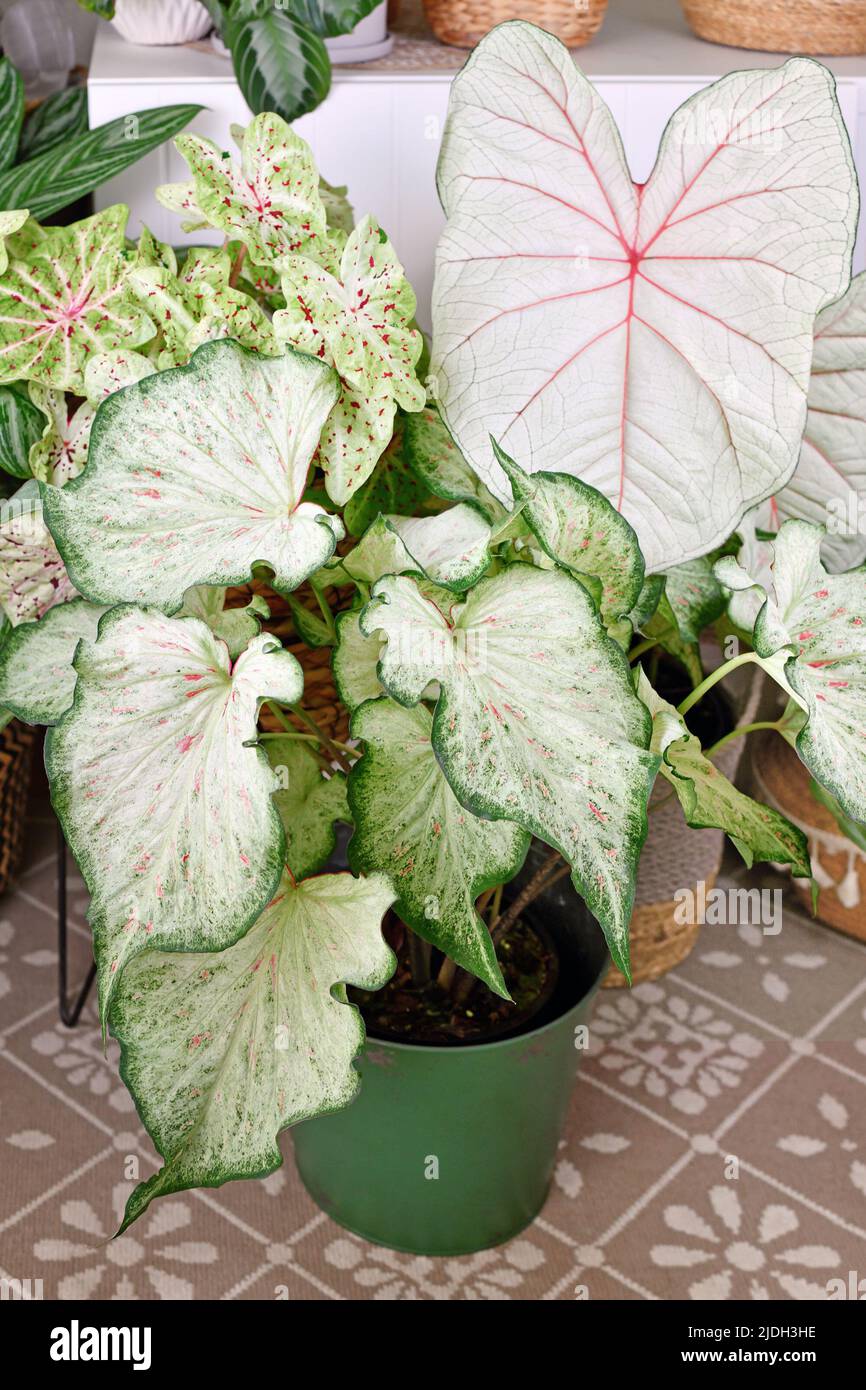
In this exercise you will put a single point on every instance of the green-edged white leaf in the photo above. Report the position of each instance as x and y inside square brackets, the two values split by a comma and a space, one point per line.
[536, 722]
[432, 453]
[165, 805]
[21, 425]
[11, 111]
[709, 799]
[68, 300]
[196, 475]
[61, 452]
[654, 340]
[32, 575]
[279, 63]
[695, 595]
[410, 826]
[58, 118]
[851, 829]
[820, 619]
[451, 549]
[223, 1051]
[108, 372]
[235, 626]
[37, 678]
[308, 803]
[578, 528]
[746, 576]
[392, 487]
[648, 601]
[10, 222]
[355, 662]
[363, 318]
[271, 203]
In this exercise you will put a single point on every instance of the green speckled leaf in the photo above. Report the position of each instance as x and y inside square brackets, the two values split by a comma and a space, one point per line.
[68, 300]
[695, 595]
[410, 826]
[432, 453]
[354, 662]
[536, 720]
[235, 626]
[308, 803]
[196, 475]
[223, 1051]
[10, 222]
[108, 372]
[166, 808]
[37, 678]
[356, 434]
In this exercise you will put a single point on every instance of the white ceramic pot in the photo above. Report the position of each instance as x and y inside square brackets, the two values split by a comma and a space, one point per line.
[161, 21]
[368, 40]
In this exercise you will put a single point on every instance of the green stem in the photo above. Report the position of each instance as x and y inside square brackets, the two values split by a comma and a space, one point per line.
[738, 733]
[642, 648]
[713, 678]
[337, 750]
[325, 610]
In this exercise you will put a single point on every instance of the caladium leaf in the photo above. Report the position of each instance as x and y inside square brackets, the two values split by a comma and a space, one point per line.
[10, 222]
[578, 528]
[709, 799]
[451, 549]
[235, 626]
[392, 487]
[223, 1051]
[432, 453]
[410, 826]
[163, 802]
[195, 475]
[37, 678]
[537, 721]
[746, 576]
[68, 300]
[32, 575]
[108, 372]
[663, 629]
[695, 596]
[355, 436]
[355, 662]
[271, 203]
[820, 619]
[21, 426]
[181, 198]
[309, 805]
[61, 453]
[673, 364]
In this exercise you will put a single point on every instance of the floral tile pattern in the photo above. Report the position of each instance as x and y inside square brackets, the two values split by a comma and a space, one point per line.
[715, 1147]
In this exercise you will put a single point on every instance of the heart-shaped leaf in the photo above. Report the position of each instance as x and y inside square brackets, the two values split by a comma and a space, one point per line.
[537, 721]
[32, 575]
[308, 804]
[165, 805]
[355, 662]
[37, 678]
[451, 548]
[223, 1051]
[654, 341]
[235, 626]
[68, 300]
[410, 826]
[196, 475]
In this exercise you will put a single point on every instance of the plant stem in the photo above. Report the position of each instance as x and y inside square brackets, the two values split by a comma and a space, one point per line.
[325, 610]
[237, 267]
[336, 749]
[641, 649]
[419, 960]
[713, 678]
[738, 733]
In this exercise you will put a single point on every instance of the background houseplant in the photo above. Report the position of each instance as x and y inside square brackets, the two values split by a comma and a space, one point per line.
[481, 619]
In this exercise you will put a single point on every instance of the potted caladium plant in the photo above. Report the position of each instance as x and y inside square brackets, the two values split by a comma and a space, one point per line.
[249, 458]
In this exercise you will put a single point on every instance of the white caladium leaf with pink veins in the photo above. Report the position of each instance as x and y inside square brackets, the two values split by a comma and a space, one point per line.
[33, 577]
[68, 300]
[197, 474]
[165, 805]
[654, 341]
[223, 1051]
[536, 720]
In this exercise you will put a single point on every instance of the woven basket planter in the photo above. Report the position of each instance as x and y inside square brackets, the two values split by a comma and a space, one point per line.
[838, 865]
[675, 857]
[463, 23]
[16, 759]
[781, 26]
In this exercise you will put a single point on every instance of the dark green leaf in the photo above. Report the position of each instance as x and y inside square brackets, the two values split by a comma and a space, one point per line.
[279, 64]
[11, 114]
[58, 177]
[104, 8]
[329, 18]
[58, 118]
[21, 425]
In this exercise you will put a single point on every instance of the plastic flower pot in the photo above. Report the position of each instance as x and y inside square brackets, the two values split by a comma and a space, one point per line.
[161, 22]
[448, 1150]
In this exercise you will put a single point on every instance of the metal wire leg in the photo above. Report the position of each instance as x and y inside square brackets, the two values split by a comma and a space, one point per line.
[70, 1012]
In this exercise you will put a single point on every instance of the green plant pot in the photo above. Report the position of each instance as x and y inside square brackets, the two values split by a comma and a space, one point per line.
[448, 1150]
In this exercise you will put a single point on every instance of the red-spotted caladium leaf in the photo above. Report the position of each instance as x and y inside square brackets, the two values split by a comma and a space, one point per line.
[197, 474]
[37, 677]
[33, 577]
[654, 340]
[223, 1051]
[10, 222]
[165, 805]
[108, 372]
[410, 825]
[536, 721]
[61, 453]
[67, 300]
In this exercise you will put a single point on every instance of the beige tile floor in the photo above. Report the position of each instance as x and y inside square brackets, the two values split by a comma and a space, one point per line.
[754, 1050]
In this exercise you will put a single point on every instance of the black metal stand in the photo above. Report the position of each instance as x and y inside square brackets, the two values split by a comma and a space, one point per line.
[70, 1012]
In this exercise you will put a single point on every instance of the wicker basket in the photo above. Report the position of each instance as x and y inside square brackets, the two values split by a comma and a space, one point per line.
[16, 749]
[463, 23]
[781, 26]
[838, 865]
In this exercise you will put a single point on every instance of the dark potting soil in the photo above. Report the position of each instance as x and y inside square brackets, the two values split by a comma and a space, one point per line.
[403, 1012]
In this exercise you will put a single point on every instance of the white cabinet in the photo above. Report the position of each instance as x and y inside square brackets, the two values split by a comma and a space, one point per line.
[380, 128]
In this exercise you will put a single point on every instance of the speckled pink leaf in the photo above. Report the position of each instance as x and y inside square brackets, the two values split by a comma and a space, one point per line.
[32, 575]
[61, 453]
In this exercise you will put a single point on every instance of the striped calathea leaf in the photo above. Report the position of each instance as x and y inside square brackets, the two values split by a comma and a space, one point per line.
[536, 720]
[222, 1051]
[410, 826]
[672, 369]
[64, 297]
[163, 801]
[37, 677]
[21, 426]
[32, 575]
[197, 474]
[309, 804]
[709, 799]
